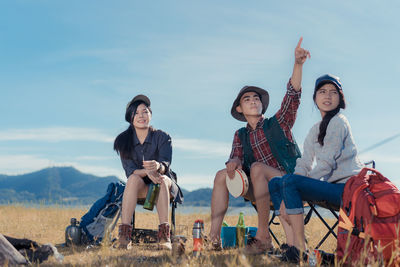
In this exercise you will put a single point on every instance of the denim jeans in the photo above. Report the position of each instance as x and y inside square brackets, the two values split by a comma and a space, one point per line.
[293, 189]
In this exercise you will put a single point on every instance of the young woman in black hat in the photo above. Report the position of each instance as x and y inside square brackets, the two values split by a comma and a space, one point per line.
[146, 155]
[329, 159]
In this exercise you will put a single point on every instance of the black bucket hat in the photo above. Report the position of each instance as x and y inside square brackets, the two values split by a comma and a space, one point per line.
[261, 92]
[128, 112]
[328, 78]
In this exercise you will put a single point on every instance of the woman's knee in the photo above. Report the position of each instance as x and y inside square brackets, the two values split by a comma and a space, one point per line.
[134, 181]
[288, 180]
[275, 184]
[166, 182]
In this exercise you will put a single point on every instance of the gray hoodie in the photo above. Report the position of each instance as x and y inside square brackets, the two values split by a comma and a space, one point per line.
[336, 160]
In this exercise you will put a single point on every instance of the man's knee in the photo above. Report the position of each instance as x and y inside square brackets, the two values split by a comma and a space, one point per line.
[257, 171]
[220, 178]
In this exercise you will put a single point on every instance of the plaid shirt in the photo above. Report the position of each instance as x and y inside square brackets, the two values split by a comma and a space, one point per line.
[286, 117]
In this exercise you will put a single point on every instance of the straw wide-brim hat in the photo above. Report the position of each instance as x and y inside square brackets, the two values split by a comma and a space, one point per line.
[264, 100]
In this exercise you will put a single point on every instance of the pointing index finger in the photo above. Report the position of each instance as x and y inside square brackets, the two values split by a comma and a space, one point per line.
[299, 43]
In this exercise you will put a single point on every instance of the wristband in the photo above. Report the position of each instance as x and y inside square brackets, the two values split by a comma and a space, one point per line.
[159, 167]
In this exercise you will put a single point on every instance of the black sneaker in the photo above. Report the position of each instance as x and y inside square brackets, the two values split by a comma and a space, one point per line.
[284, 247]
[292, 255]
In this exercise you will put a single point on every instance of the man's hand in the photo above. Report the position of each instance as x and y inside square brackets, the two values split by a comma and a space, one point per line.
[300, 53]
[151, 165]
[231, 166]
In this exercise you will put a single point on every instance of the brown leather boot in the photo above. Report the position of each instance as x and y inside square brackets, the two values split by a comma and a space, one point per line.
[124, 235]
[164, 236]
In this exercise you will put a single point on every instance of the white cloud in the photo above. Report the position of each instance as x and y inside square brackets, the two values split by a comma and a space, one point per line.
[94, 158]
[59, 134]
[55, 134]
[18, 164]
[204, 147]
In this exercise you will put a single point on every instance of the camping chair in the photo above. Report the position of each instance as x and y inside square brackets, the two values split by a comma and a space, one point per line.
[149, 235]
[271, 221]
[333, 209]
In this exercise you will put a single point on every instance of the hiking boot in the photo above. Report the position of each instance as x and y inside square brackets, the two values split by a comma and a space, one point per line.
[256, 247]
[124, 236]
[292, 255]
[283, 248]
[164, 237]
[215, 244]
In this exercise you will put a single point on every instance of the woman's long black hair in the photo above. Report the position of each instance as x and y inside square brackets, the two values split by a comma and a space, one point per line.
[330, 114]
[123, 144]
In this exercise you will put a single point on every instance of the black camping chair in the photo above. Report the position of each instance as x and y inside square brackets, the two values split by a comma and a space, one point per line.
[149, 235]
[333, 209]
[271, 221]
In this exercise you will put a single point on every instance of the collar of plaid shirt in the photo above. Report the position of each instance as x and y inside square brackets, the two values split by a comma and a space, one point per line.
[260, 124]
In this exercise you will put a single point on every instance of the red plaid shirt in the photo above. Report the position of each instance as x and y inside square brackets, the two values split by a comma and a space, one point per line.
[286, 117]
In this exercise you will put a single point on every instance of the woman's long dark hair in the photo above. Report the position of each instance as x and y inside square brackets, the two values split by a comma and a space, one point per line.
[330, 114]
[123, 144]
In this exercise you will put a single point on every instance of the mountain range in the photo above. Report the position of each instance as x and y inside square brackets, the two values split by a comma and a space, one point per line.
[67, 185]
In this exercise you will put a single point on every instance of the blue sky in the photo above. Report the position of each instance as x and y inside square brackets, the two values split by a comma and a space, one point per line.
[68, 69]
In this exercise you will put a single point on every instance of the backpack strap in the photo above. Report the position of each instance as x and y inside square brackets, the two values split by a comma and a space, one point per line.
[347, 220]
[348, 225]
[248, 157]
[284, 151]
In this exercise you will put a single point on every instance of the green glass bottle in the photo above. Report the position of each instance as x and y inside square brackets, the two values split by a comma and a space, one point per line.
[151, 197]
[240, 231]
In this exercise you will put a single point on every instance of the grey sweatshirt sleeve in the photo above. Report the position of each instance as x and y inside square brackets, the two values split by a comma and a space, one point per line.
[331, 150]
[304, 164]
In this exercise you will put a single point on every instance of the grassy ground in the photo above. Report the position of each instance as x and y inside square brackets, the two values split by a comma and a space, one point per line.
[47, 225]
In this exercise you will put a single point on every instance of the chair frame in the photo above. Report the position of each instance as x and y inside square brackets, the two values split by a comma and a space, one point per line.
[312, 204]
[334, 210]
[149, 235]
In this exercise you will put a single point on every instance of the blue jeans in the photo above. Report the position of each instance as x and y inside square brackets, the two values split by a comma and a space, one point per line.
[293, 189]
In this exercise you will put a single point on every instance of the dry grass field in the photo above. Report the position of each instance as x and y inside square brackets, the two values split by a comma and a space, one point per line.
[47, 225]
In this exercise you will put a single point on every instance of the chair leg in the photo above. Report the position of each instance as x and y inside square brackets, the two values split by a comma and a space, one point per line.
[133, 220]
[173, 218]
[330, 228]
[271, 221]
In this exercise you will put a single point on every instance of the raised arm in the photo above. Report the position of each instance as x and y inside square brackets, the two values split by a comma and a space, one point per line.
[300, 56]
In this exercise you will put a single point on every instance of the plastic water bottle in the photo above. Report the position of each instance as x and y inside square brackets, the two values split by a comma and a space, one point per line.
[318, 257]
[198, 229]
[240, 231]
[73, 234]
[151, 197]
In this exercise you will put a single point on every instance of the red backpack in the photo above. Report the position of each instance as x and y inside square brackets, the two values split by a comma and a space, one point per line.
[369, 220]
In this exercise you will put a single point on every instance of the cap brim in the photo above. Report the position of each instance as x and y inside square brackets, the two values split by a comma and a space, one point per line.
[264, 100]
[143, 98]
[328, 78]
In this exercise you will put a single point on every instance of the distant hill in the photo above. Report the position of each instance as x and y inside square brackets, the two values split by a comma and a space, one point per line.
[54, 185]
[67, 185]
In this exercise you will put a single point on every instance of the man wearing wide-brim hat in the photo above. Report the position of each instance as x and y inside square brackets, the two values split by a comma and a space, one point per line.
[249, 106]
